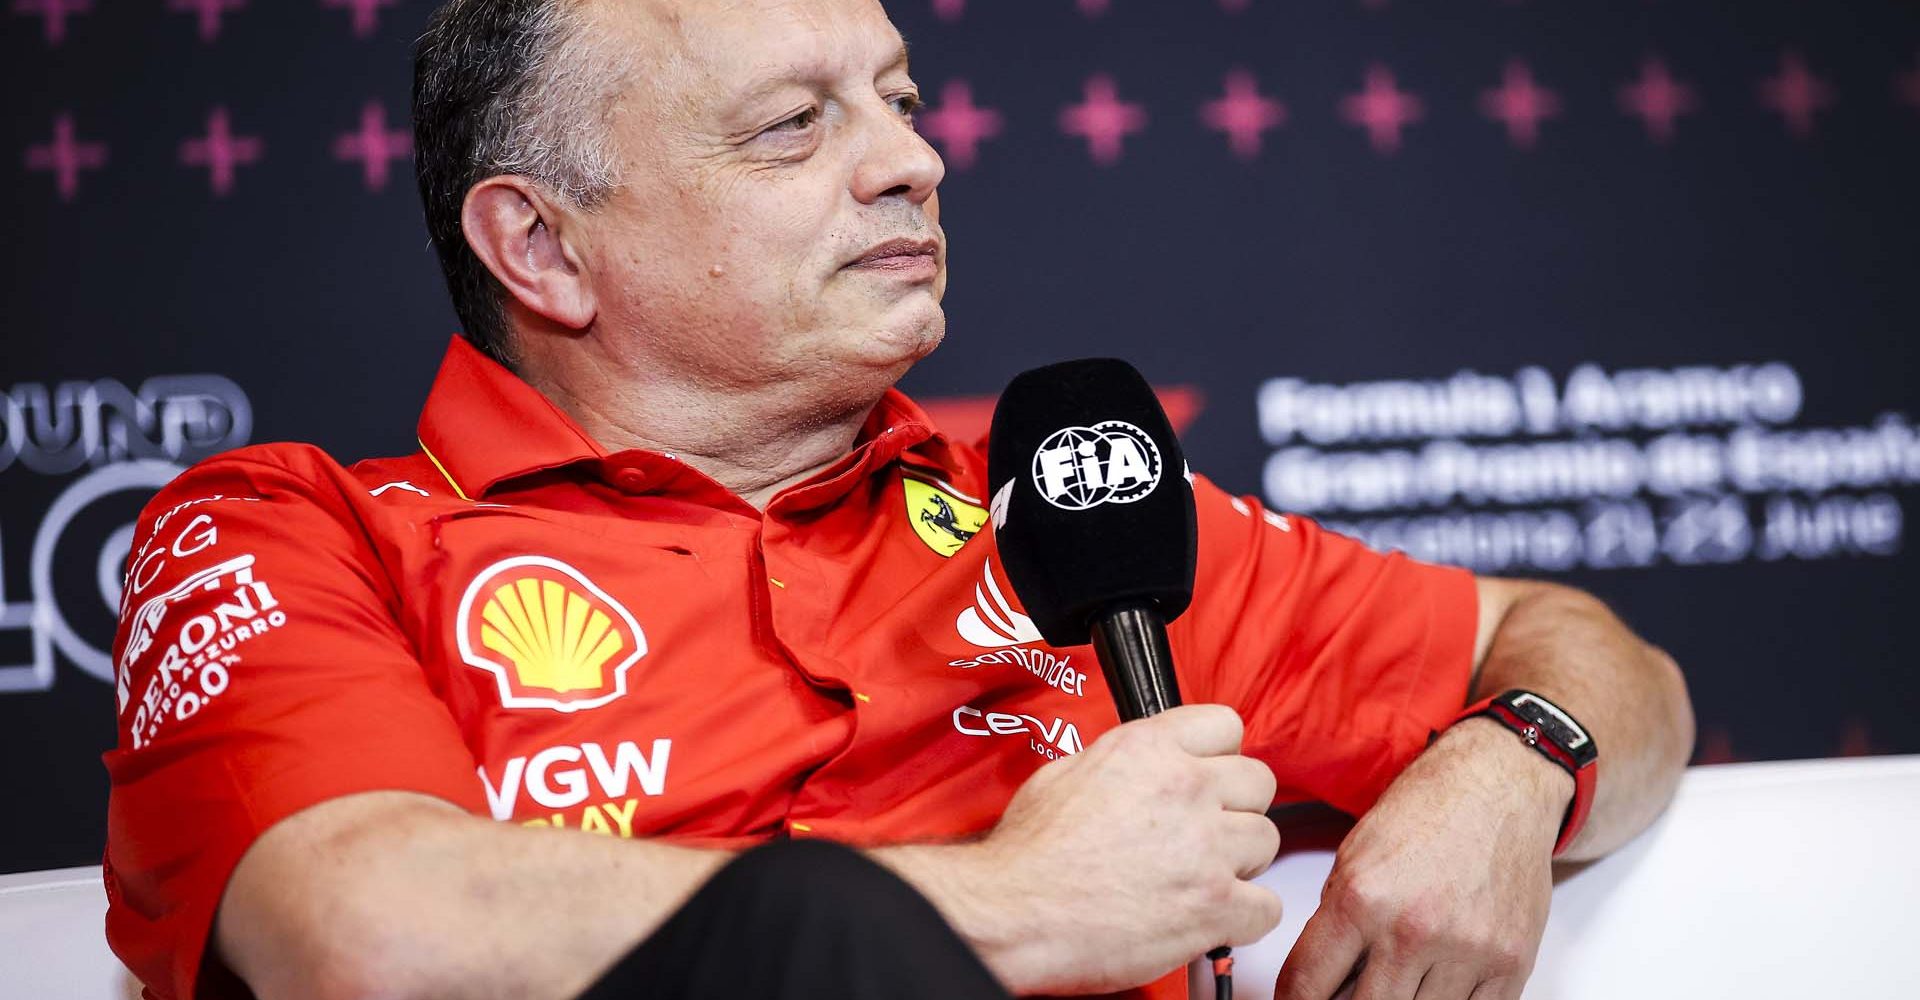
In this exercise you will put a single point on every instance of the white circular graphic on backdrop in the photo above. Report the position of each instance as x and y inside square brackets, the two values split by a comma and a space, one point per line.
[1111, 462]
[142, 474]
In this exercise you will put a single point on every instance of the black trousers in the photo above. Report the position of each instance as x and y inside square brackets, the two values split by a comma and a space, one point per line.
[801, 919]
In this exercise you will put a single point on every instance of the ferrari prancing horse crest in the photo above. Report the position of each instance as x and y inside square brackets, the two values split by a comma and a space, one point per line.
[941, 519]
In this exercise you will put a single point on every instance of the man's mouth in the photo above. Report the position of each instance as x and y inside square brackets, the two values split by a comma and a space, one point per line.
[903, 255]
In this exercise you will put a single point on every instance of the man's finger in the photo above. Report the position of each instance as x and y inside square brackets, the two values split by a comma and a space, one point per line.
[1259, 910]
[1251, 843]
[1244, 784]
[1202, 730]
[1328, 949]
[1450, 981]
[1504, 989]
[1389, 977]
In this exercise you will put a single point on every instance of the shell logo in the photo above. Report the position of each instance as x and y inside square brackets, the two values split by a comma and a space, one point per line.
[551, 638]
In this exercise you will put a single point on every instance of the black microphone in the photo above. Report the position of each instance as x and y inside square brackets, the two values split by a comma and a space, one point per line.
[1093, 517]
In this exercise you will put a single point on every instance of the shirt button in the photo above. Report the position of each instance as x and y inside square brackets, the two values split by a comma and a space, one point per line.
[630, 480]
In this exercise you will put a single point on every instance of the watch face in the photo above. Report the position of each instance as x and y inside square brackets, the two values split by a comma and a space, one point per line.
[1558, 727]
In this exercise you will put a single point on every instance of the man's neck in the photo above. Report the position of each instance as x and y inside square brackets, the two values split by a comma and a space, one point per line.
[754, 442]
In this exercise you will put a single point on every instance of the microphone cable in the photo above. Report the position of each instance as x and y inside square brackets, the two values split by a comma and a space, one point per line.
[1222, 972]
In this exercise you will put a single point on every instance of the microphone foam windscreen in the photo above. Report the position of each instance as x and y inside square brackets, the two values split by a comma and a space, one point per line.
[1091, 503]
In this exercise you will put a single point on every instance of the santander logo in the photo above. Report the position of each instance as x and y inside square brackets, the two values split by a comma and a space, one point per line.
[992, 623]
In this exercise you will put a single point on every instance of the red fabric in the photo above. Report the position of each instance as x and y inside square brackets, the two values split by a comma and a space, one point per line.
[804, 671]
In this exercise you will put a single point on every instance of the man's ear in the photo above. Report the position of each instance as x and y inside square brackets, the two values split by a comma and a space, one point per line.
[531, 246]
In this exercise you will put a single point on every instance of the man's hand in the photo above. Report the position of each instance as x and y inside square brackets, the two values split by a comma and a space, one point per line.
[1119, 864]
[1440, 892]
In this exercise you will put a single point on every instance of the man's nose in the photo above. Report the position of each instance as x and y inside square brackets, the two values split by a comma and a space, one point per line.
[897, 162]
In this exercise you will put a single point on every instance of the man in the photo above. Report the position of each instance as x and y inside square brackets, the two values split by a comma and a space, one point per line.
[658, 572]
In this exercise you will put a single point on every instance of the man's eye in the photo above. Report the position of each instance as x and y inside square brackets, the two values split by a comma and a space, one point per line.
[906, 104]
[798, 123]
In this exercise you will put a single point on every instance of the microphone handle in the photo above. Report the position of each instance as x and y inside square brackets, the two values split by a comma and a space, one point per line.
[1131, 644]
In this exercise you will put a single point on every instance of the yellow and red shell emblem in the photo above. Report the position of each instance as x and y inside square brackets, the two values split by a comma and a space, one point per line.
[551, 638]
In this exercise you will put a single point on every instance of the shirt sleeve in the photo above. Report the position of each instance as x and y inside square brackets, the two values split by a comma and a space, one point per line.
[1340, 659]
[260, 670]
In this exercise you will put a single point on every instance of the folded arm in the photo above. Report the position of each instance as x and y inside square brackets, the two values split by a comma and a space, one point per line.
[1131, 859]
[1442, 889]
[398, 895]
[1566, 646]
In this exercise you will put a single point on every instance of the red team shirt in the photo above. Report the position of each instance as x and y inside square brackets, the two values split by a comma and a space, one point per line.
[535, 629]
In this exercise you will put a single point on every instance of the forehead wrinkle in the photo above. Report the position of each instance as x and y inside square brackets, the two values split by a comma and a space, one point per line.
[701, 65]
[815, 44]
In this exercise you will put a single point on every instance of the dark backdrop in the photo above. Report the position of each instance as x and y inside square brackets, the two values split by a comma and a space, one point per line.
[1691, 345]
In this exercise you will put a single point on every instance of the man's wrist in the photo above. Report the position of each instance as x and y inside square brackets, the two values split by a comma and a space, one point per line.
[1539, 786]
[948, 876]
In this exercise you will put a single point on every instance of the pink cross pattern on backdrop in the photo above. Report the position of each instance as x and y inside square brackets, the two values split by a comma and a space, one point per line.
[53, 14]
[1243, 114]
[1092, 8]
[1521, 104]
[1383, 109]
[957, 125]
[1235, 6]
[1658, 99]
[208, 12]
[366, 13]
[374, 145]
[66, 156]
[1797, 94]
[1103, 119]
[220, 152]
[1907, 85]
[949, 10]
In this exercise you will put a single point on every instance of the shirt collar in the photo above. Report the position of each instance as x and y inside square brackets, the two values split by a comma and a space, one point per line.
[897, 429]
[482, 425]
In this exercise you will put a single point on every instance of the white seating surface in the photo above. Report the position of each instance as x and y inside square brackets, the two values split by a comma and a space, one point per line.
[53, 941]
[1774, 881]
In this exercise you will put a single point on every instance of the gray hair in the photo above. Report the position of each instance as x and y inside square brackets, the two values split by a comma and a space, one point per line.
[521, 87]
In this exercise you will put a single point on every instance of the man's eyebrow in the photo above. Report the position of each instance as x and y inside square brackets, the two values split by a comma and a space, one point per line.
[761, 88]
[767, 85]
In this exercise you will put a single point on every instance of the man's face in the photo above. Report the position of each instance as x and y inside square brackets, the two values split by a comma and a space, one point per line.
[777, 220]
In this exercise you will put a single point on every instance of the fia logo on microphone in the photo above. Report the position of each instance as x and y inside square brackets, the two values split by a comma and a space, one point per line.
[1111, 462]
